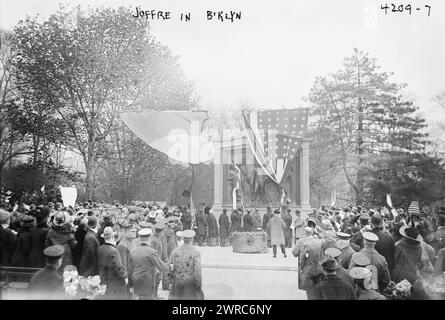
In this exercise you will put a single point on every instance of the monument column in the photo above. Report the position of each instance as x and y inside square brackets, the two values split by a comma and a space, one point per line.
[218, 183]
[304, 177]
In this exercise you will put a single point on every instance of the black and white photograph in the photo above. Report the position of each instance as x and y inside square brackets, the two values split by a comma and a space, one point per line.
[222, 150]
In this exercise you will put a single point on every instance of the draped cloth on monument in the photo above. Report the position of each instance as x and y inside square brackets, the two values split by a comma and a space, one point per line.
[274, 137]
[178, 134]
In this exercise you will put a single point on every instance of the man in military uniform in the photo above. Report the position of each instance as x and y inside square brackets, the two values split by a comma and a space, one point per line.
[378, 264]
[347, 249]
[144, 261]
[343, 273]
[47, 283]
[186, 276]
[159, 244]
[332, 287]
[362, 282]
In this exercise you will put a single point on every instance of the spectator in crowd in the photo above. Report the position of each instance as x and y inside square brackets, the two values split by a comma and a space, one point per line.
[24, 243]
[257, 226]
[248, 223]
[213, 228]
[88, 262]
[224, 228]
[267, 216]
[8, 239]
[275, 228]
[203, 225]
[39, 234]
[385, 245]
[362, 281]
[287, 218]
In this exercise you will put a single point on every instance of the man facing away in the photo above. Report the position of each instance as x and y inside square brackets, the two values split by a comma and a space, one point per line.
[47, 283]
[144, 261]
[186, 275]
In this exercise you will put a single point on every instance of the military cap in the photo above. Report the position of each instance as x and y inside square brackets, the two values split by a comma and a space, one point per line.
[55, 251]
[360, 273]
[188, 233]
[172, 219]
[364, 217]
[159, 225]
[360, 259]
[152, 214]
[144, 232]
[343, 235]
[332, 252]
[370, 236]
[27, 221]
[145, 224]
[179, 233]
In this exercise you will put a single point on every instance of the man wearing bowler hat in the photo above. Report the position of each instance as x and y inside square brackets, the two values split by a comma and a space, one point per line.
[111, 269]
[378, 265]
[332, 287]
[144, 261]
[47, 283]
[186, 275]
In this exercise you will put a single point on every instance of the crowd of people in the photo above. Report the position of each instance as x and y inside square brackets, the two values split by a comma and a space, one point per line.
[343, 253]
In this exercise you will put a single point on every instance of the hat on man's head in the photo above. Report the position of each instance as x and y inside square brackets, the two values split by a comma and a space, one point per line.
[172, 219]
[144, 232]
[330, 264]
[144, 224]
[159, 226]
[92, 221]
[370, 236]
[308, 231]
[364, 217]
[360, 259]
[108, 232]
[27, 221]
[343, 235]
[188, 233]
[360, 273]
[376, 220]
[152, 214]
[179, 233]
[332, 252]
[410, 233]
[54, 252]
[4, 216]
[276, 211]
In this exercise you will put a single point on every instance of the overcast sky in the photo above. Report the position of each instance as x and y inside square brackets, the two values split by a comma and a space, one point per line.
[271, 57]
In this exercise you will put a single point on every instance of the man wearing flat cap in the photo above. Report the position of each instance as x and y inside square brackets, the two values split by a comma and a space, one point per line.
[186, 274]
[48, 283]
[378, 265]
[332, 287]
[111, 269]
[144, 261]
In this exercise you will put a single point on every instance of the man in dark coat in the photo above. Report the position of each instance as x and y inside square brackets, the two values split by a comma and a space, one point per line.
[107, 222]
[39, 233]
[88, 262]
[48, 283]
[224, 228]
[111, 269]
[385, 245]
[160, 247]
[332, 287]
[79, 235]
[24, 243]
[202, 224]
[186, 219]
[143, 263]
[235, 219]
[267, 216]
[275, 228]
[186, 275]
[213, 229]
[439, 235]
[357, 237]
[248, 224]
[8, 239]
[287, 218]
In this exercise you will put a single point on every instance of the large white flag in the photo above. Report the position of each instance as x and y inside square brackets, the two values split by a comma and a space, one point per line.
[178, 134]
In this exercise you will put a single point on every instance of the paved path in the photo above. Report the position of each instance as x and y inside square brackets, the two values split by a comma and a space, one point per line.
[228, 275]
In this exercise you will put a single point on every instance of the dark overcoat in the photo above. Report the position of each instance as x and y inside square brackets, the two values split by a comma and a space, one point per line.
[88, 262]
[213, 225]
[332, 287]
[111, 271]
[224, 225]
[47, 284]
[8, 242]
[22, 249]
[65, 239]
[236, 222]
[36, 256]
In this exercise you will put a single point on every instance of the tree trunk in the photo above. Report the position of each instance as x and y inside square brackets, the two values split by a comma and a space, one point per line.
[360, 182]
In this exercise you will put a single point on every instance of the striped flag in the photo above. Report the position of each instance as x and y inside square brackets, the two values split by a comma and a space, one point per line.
[413, 208]
[389, 201]
[275, 137]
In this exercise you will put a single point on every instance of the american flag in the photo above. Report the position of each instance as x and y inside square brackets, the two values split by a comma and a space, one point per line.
[275, 137]
[413, 208]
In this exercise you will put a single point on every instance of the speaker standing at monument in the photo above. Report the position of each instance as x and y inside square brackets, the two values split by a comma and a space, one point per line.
[276, 227]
